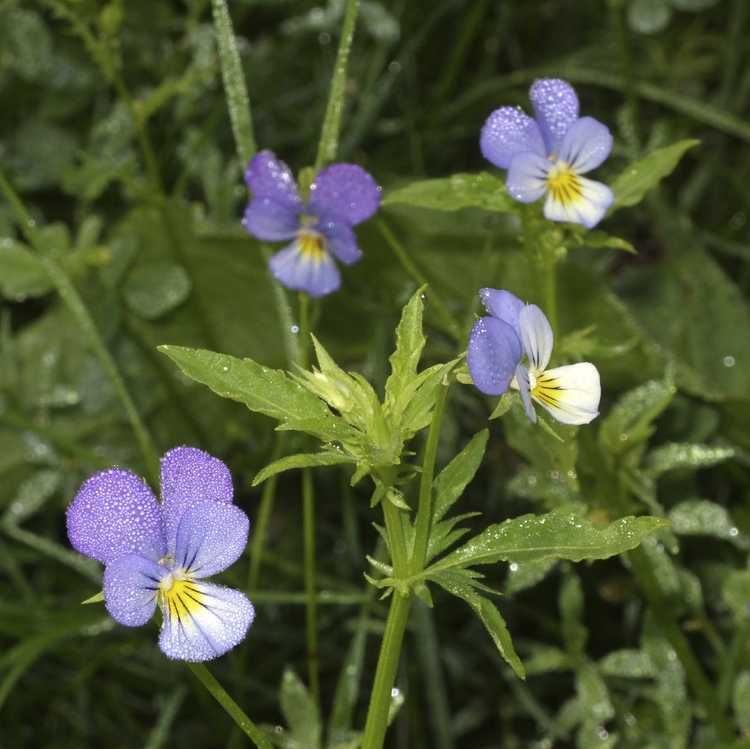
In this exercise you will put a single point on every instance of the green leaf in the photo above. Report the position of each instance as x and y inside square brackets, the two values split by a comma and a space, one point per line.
[627, 663]
[735, 591]
[301, 460]
[574, 632]
[22, 275]
[504, 403]
[263, 390]
[629, 423]
[701, 517]
[741, 700]
[300, 712]
[527, 575]
[458, 584]
[96, 598]
[154, 288]
[680, 456]
[32, 494]
[557, 535]
[450, 483]
[643, 175]
[600, 239]
[453, 193]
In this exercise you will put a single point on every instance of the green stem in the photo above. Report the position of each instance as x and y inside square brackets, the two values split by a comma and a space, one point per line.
[234, 711]
[311, 606]
[329, 137]
[699, 683]
[396, 538]
[410, 267]
[733, 659]
[71, 298]
[233, 77]
[423, 522]
[304, 330]
[385, 675]
[542, 265]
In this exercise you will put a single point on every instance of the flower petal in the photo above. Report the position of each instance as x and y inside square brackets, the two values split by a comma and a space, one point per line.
[131, 588]
[522, 381]
[571, 394]
[115, 513]
[268, 177]
[527, 177]
[340, 239]
[190, 477]
[269, 220]
[508, 132]
[588, 207]
[536, 336]
[346, 192]
[586, 145]
[503, 305]
[297, 271]
[211, 537]
[493, 353]
[206, 623]
[556, 107]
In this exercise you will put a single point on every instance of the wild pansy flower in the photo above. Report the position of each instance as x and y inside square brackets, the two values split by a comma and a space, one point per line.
[547, 155]
[497, 345]
[161, 553]
[341, 196]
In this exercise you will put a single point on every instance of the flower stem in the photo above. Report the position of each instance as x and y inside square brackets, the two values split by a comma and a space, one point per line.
[385, 675]
[71, 298]
[234, 711]
[409, 266]
[329, 137]
[423, 522]
[311, 605]
[543, 265]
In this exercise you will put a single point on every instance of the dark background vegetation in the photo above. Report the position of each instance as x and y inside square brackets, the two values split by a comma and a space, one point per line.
[178, 269]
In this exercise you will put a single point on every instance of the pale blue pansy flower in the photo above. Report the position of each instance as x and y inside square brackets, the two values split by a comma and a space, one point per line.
[341, 196]
[513, 330]
[159, 553]
[549, 154]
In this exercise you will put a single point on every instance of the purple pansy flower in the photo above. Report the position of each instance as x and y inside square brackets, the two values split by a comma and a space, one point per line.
[161, 553]
[497, 345]
[548, 154]
[341, 196]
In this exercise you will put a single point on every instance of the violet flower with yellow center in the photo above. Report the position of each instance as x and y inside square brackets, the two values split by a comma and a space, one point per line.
[341, 196]
[549, 154]
[160, 553]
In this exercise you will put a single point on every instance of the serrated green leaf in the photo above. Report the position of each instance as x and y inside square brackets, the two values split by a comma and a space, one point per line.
[450, 483]
[701, 517]
[557, 535]
[453, 193]
[263, 390]
[300, 712]
[155, 288]
[643, 175]
[630, 421]
[679, 456]
[301, 460]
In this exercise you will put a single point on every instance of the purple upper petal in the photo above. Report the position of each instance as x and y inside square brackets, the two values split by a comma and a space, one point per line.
[270, 220]
[211, 537]
[508, 132]
[300, 272]
[556, 107]
[493, 353]
[527, 177]
[586, 145]
[268, 177]
[217, 619]
[346, 192]
[115, 513]
[340, 239]
[131, 587]
[503, 305]
[190, 477]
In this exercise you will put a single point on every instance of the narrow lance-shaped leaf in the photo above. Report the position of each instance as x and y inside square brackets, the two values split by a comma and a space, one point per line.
[643, 175]
[455, 192]
[556, 535]
[300, 712]
[675, 456]
[301, 460]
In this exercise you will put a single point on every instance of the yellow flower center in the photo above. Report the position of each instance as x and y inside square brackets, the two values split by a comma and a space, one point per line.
[564, 184]
[311, 245]
[178, 595]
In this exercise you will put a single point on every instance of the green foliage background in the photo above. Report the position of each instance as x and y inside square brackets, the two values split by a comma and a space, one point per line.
[154, 246]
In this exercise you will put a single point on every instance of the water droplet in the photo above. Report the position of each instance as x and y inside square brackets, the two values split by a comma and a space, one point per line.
[514, 567]
[603, 733]
[395, 693]
[225, 368]
[294, 329]
[733, 532]
[728, 361]
[394, 67]
[324, 38]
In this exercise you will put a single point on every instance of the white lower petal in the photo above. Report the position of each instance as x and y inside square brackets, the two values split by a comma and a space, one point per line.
[587, 205]
[203, 621]
[571, 394]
